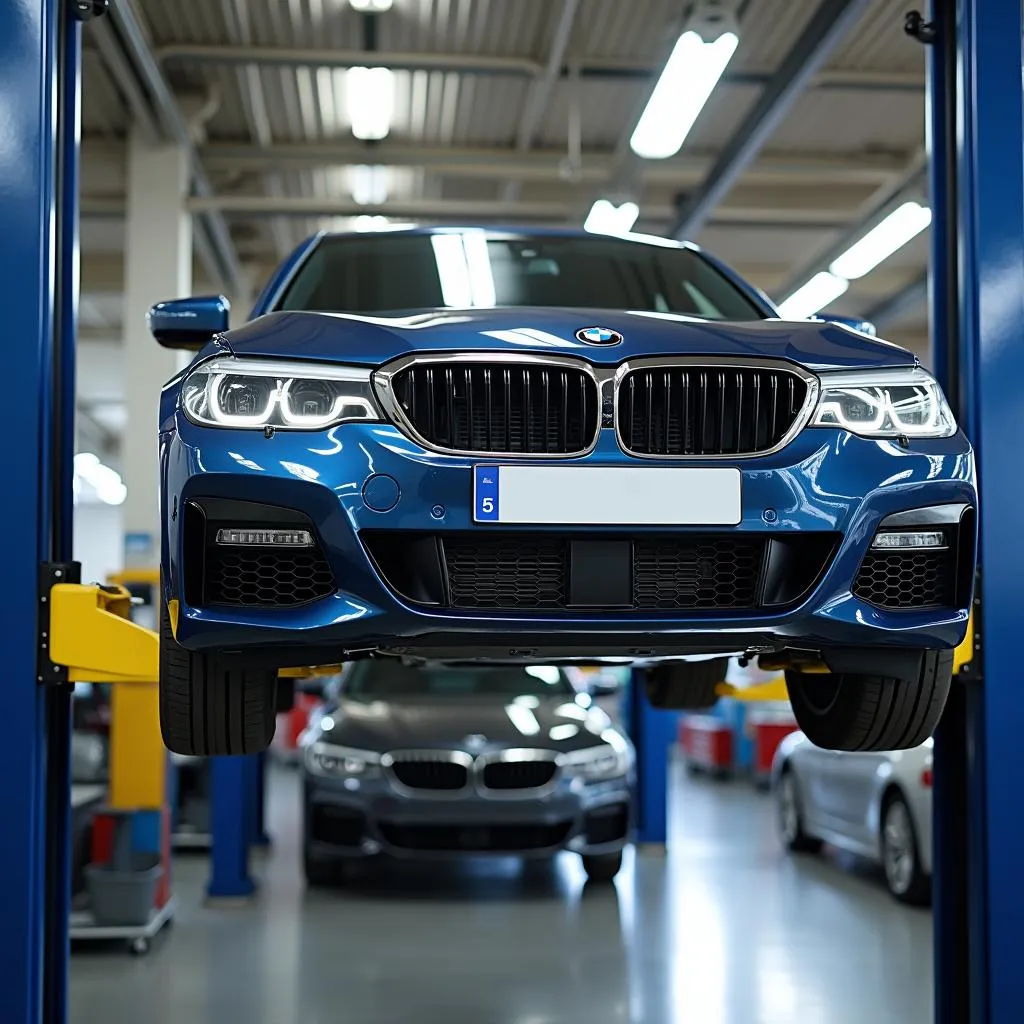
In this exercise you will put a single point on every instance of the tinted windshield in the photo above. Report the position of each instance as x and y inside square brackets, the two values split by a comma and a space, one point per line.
[379, 273]
[386, 679]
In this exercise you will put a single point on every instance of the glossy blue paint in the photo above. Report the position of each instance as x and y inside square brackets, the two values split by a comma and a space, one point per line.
[29, 97]
[188, 323]
[989, 221]
[371, 341]
[817, 482]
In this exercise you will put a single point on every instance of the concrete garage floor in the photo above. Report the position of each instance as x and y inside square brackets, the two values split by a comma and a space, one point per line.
[725, 930]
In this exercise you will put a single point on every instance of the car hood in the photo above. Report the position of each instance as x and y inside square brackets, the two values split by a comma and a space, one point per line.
[474, 723]
[374, 340]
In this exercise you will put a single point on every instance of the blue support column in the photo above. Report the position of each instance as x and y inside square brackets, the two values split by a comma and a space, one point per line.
[654, 734]
[260, 836]
[978, 195]
[38, 186]
[234, 785]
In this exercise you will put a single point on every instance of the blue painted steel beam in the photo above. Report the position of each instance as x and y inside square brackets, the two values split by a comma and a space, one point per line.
[234, 818]
[654, 734]
[831, 23]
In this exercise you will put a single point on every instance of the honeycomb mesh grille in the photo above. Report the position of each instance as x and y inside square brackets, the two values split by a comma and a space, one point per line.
[707, 410]
[696, 574]
[523, 572]
[501, 408]
[907, 579]
[279, 577]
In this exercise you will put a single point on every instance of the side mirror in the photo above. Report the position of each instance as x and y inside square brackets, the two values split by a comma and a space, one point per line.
[188, 323]
[864, 326]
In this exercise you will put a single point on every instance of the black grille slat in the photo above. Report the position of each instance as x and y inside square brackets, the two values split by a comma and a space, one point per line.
[518, 410]
[907, 579]
[429, 774]
[692, 410]
[505, 775]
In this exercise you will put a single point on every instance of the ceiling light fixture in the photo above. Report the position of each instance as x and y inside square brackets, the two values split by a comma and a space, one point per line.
[105, 482]
[807, 300]
[370, 98]
[607, 219]
[368, 184]
[903, 224]
[688, 79]
[374, 6]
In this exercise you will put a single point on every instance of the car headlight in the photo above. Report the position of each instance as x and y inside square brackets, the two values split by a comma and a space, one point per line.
[608, 760]
[258, 393]
[884, 403]
[341, 762]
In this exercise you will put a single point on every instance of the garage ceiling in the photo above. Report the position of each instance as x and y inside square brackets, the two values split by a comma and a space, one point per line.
[508, 111]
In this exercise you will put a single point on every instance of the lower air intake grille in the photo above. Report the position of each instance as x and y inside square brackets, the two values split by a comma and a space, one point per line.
[506, 572]
[707, 410]
[500, 408]
[696, 574]
[251, 576]
[489, 838]
[907, 579]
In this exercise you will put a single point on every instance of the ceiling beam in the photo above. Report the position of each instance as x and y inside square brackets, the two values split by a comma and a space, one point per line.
[487, 64]
[910, 299]
[831, 22]
[499, 162]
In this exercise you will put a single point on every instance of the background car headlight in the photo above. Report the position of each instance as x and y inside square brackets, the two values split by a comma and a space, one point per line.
[257, 393]
[342, 762]
[608, 760]
[884, 403]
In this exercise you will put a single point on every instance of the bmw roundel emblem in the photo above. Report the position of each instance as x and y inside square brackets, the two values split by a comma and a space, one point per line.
[598, 336]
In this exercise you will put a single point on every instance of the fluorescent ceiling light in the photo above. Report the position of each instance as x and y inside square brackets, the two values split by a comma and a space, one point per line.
[103, 481]
[606, 219]
[903, 224]
[371, 5]
[370, 97]
[368, 184]
[690, 75]
[822, 289]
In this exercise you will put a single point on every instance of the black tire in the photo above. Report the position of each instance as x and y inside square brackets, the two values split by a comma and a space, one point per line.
[685, 685]
[839, 711]
[790, 817]
[602, 867]
[209, 707]
[901, 857]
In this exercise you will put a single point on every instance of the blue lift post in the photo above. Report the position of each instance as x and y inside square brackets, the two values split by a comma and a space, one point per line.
[977, 144]
[39, 47]
[235, 796]
[654, 734]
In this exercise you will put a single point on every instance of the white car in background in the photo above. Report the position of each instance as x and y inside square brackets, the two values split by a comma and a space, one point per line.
[876, 805]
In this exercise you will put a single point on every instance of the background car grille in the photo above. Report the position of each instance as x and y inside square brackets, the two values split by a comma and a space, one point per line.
[519, 409]
[514, 572]
[696, 574]
[707, 410]
[266, 576]
[518, 774]
[494, 838]
[907, 579]
[430, 774]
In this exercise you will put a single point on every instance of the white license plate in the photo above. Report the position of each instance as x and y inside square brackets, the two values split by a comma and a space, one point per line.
[606, 495]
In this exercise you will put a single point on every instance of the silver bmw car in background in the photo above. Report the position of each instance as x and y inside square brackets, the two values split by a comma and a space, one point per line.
[876, 805]
[433, 760]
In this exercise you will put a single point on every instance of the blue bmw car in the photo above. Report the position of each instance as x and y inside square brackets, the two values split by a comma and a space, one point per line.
[464, 444]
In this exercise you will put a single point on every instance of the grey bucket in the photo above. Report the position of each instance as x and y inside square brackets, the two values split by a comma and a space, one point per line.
[123, 892]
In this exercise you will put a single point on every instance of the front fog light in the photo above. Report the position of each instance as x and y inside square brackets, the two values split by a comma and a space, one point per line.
[902, 540]
[266, 538]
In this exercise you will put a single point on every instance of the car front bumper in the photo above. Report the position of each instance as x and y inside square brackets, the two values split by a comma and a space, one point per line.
[342, 820]
[824, 481]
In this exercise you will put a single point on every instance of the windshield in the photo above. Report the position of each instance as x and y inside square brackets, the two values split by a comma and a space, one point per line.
[381, 273]
[385, 679]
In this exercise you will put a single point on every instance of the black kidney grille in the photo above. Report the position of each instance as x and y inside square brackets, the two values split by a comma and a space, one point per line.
[516, 409]
[707, 410]
[248, 576]
[527, 571]
[518, 774]
[907, 579]
[444, 775]
[697, 574]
